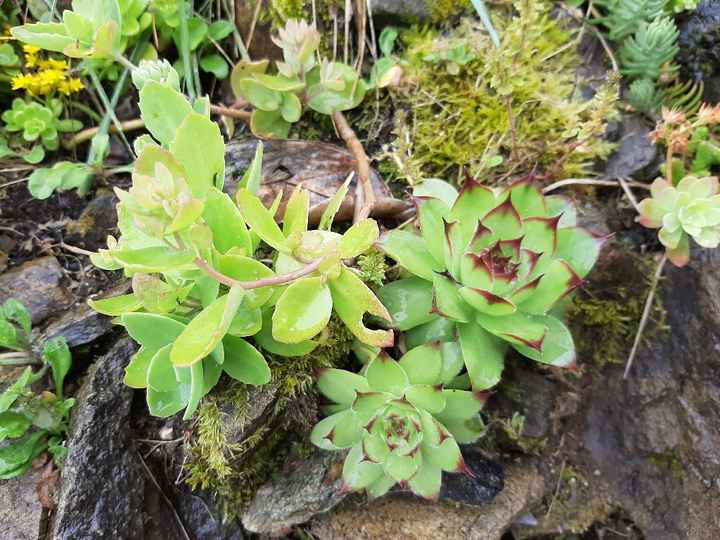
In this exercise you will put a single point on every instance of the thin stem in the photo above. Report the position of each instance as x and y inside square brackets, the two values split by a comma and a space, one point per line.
[364, 193]
[185, 50]
[280, 279]
[232, 113]
[645, 314]
[87, 134]
[109, 108]
[591, 182]
[127, 64]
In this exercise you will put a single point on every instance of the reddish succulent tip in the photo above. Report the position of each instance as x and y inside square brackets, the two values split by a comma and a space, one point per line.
[536, 344]
[463, 468]
[483, 396]
[345, 488]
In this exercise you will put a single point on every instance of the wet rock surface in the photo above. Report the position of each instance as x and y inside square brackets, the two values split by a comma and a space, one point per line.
[20, 512]
[79, 325]
[654, 438]
[102, 481]
[314, 487]
[400, 10]
[634, 152]
[404, 517]
[38, 285]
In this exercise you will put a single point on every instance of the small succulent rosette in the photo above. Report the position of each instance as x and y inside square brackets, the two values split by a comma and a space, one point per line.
[401, 420]
[489, 267]
[690, 209]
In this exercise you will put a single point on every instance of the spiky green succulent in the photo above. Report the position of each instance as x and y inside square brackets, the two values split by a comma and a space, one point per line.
[692, 208]
[399, 421]
[488, 266]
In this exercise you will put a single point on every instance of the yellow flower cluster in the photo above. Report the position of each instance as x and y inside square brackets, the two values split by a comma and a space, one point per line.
[50, 76]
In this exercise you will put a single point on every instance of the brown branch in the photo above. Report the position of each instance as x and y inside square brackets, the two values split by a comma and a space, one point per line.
[364, 194]
[280, 279]
[87, 134]
[229, 111]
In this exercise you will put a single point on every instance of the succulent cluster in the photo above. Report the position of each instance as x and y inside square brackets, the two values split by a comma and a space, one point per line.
[402, 420]
[686, 203]
[198, 291]
[39, 123]
[325, 87]
[487, 267]
[31, 423]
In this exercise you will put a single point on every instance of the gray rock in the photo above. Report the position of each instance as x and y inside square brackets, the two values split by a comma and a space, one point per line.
[20, 511]
[102, 482]
[409, 518]
[481, 488]
[314, 486]
[79, 326]
[635, 151]
[38, 285]
[655, 438]
[403, 9]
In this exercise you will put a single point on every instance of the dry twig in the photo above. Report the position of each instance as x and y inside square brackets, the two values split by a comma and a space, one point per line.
[364, 194]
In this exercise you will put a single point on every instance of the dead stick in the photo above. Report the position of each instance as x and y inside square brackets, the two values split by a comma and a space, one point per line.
[365, 196]
[232, 113]
[87, 134]
[645, 314]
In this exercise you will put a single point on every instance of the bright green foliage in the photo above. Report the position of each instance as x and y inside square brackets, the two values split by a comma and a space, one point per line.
[624, 17]
[690, 209]
[198, 292]
[518, 103]
[92, 29]
[156, 70]
[398, 420]
[487, 268]
[325, 87]
[648, 53]
[62, 176]
[648, 98]
[37, 123]
[31, 423]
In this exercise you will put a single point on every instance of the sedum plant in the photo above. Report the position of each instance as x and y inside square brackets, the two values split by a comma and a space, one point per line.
[399, 421]
[30, 423]
[325, 87]
[487, 267]
[685, 203]
[199, 292]
[38, 123]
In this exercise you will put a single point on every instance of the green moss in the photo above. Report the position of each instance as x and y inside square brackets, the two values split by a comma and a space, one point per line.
[604, 318]
[670, 461]
[234, 471]
[503, 112]
[442, 11]
[373, 267]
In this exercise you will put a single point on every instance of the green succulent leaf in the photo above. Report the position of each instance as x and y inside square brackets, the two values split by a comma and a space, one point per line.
[13, 425]
[483, 355]
[269, 124]
[410, 252]
[302, 311]
[226, 223]
[56, 354]
[341, 386]
[409, 302]
[358, 238]
[150, 330]
[386, 375]
[266, 341]
[333, 205]
[295, 219]
[163, 109]
[244, 268]
[177, 385]
[199, 147]
[558, 348]
[117, 305]
[206, 330]
[260, 220]
[423, 364]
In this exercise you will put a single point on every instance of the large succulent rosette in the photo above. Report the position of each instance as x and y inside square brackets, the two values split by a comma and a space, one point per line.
[486, 268]
[400, 422]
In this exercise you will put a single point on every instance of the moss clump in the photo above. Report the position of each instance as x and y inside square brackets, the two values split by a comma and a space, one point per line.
[442, 11]
[233, 471]
[500, 112]
[604, 317]
[669, 461]
[373, 267]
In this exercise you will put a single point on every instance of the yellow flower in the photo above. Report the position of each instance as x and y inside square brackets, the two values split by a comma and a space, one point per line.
[61, 65]
[21, 81]
[70, 87]
[31, 49]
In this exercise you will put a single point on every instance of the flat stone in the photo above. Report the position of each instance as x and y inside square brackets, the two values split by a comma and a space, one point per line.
[479, 488]
[38, 285]
[635, 151]
[102, 482]
[313, 487]
[79, 325]
[407, 10]
[20, 511]
[402, 517]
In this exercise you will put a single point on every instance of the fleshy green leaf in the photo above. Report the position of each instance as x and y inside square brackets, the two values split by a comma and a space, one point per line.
[448, 301]
[427, 397]
[164, 110]
[386, 375]
[409, 251]
[13, 425]
[423, 364]
[47, 36]
[269, 124]
[359, 474]
[333, 205]
[244, 363]
[302, 311]
[56, 353]
[427, 481]
[295, 218]
[206, 330]
[483, 355]
[580, 248]
[226, 223]
[409, 302]
[151, 330]
[558, 348]
[161, 374]
[341, 386]
[197, 390]
[199, 147]
[352, 299]
[247, 269]
[432, 226]
[136, 371]
[516, 328]
[117, 305]
[267, 342]
[252, 178]
[358, 238]
[260, 220]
